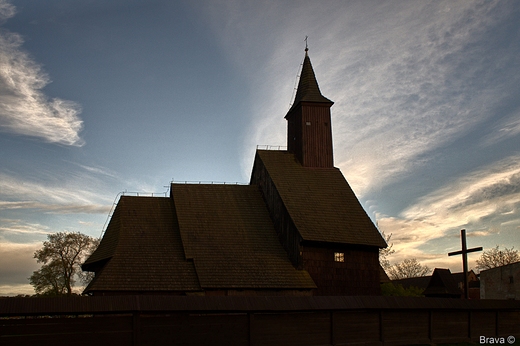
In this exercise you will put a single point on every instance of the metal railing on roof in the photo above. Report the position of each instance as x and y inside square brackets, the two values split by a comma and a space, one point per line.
[271, 147]
[126, 193]
[208, 182]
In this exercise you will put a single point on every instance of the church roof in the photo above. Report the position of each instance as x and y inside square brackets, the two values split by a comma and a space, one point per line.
[227, 231]
[320, 202]
[205, 237]
[308, 89]
[142, 249]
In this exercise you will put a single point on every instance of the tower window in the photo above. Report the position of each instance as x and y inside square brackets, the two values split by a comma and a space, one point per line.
[339, 257]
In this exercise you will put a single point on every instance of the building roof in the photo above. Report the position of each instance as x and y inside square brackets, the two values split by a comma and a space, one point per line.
[308, 89]
[423, 281]
[442, 283]
[320, 202]
[142, 249]
[204, 237]
[227, 231]
[499, 268]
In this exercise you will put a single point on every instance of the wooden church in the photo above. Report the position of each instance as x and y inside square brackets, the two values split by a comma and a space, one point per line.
[296, 229]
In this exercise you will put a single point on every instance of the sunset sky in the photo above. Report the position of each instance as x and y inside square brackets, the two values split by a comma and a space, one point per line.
[102, 97]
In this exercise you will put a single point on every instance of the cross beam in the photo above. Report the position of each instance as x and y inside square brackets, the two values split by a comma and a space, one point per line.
[464, 252]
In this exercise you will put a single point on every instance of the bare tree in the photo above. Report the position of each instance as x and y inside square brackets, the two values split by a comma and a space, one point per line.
[409, 268]
[497, 258]
[384, 253]
[62, 255]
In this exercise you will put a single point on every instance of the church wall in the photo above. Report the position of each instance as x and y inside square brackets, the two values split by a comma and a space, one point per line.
[309, 135]
[294, 133]
[317, 134]
[284, 226]
[358, 274]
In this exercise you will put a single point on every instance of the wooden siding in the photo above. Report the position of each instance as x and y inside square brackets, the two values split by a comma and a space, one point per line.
[158, 320]
[284, 226]
[309, 135]
[357, 275]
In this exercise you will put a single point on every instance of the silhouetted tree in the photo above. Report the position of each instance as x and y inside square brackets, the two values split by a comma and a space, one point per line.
[497, 258]
[384, 253]
[409, 268]
[62, 255]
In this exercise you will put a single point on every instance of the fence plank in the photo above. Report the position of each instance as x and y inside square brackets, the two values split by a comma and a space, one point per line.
[153, 320]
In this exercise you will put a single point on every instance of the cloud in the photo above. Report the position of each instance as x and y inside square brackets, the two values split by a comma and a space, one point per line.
[57, 208]
[24, 108]
[96, 170]
[58, 199]
[6, 10]
[404, 77]
[487, 201]
[17, 265]
[505, 129]
[16, 226]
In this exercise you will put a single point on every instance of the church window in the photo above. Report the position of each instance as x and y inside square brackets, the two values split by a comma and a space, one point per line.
[339, 257]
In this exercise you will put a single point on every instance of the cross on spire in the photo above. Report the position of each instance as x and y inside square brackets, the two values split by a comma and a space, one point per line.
[464, 252]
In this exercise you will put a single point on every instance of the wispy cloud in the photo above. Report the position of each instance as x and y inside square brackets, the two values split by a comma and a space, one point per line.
[24, 108]
[505, 129]
[16, 226]
[96, 170]
[57, 208]
[406, 78]
[487, 201]
[60, 199]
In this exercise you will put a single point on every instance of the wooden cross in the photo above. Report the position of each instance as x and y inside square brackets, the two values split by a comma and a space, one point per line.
[464, 252]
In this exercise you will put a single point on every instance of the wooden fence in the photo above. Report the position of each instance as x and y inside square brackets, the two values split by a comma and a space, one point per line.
[170, 320]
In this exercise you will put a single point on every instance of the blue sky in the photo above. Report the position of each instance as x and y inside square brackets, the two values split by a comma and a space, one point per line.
[101, 97]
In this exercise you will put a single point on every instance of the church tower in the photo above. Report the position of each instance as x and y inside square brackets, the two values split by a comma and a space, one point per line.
[309, 131]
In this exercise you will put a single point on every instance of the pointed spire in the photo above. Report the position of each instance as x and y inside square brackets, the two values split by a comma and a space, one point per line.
[309, 132]
[308, 89]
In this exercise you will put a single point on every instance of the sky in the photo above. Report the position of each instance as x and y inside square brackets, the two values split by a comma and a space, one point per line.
[99, 98]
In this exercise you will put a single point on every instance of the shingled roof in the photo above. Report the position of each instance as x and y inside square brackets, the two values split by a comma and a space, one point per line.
[227, 231]
[320, 202]
[442, 284]
[142, 250]
[308, 89]
[204, 237]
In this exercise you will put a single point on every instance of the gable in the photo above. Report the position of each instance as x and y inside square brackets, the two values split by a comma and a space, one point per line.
[319, 201]
[442, 283]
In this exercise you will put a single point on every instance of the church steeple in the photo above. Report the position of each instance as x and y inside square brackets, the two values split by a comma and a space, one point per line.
[309, 132]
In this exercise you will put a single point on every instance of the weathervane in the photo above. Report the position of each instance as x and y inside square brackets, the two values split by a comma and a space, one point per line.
[306, 46]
